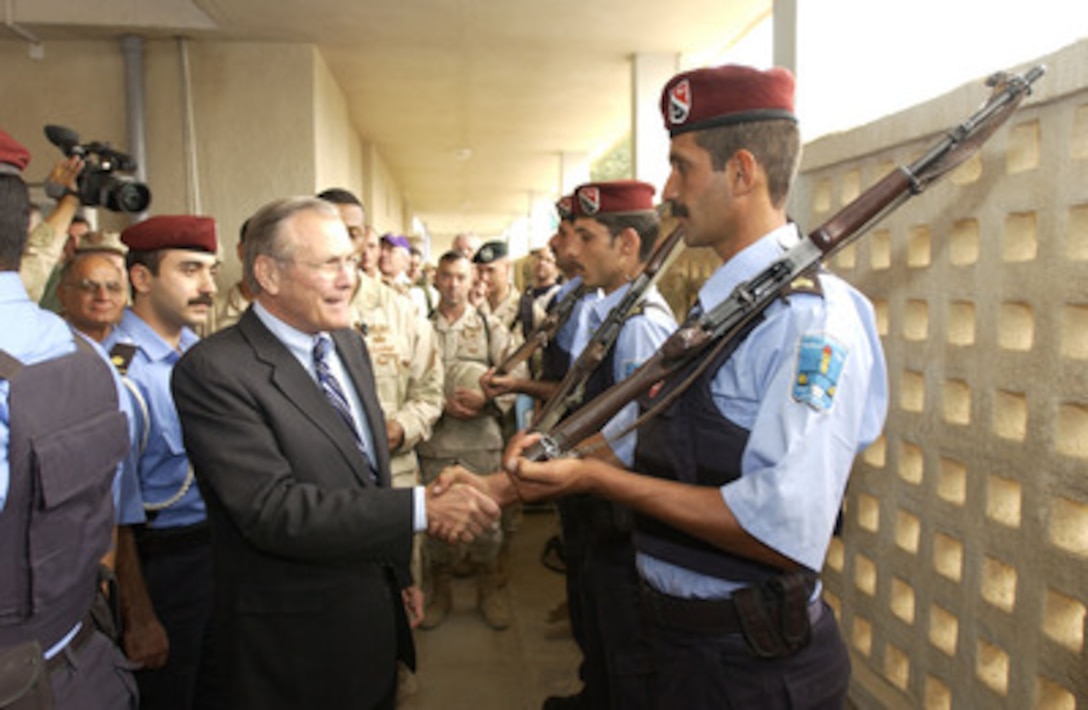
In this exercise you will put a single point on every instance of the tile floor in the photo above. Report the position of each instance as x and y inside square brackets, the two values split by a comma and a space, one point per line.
[465, 665]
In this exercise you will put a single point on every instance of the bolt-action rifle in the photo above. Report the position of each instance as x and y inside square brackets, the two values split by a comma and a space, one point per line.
[543, 333]
[572, 387]
[700, 339]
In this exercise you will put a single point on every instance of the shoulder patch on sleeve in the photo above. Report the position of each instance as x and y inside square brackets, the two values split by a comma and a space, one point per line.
[819, 364]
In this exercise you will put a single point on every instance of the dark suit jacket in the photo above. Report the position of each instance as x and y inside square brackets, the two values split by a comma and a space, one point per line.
[306, 547]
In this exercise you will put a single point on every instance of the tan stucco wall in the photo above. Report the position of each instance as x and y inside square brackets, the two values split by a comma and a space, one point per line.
[961, 577]
[268, 120]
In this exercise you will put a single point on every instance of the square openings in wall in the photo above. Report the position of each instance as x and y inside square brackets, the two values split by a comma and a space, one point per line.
[963, 246]
[937, 695]
[1020, 240]
[956, 402]
[880, 250]
[1003, 501]
[948, 557]
[952, 481]
[919, 246]
[1071, 430]
[992, 666]
[911, 463]
[1074, 332]
[1010, 415]
[912, 391]
[1063, 620]
[1023, 147]
[998, 583]
[1049, 695]
[1078, 146]
[902, 600]
[908, 531]
[961, 323]
[944, 629]
[1076, 233]
[916, 321]
[1016, 326]
[896, 667]
[1069, 526]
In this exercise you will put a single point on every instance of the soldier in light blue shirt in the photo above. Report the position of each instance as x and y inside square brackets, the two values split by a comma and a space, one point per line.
[164, 567]
[739, 481]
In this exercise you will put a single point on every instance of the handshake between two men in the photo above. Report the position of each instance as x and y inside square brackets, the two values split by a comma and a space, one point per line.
[521, 479]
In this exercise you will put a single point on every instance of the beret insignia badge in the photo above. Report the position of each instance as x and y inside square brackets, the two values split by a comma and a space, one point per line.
[589, 199]
[680, 102]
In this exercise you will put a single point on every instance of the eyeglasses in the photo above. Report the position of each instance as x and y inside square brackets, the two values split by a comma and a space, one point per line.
[89, 287]
[330, 268]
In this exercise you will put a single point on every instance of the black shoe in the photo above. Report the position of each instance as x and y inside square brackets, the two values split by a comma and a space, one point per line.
[552, 556]
[567, 702]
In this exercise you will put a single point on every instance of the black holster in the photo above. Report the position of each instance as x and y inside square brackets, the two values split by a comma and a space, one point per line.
[774, 615]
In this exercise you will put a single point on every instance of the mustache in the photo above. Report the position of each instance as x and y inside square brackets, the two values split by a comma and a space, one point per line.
[679, 210]
[201, 301]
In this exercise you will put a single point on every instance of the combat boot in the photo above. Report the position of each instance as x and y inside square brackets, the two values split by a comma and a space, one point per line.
[441, 600]
[492, 600]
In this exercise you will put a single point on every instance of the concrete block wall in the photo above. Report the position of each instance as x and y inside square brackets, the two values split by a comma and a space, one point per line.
[961, 576]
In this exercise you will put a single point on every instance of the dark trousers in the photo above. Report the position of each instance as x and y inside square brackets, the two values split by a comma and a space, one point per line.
[612, 595]
[713, 671]
[179, 582]
[603, 597]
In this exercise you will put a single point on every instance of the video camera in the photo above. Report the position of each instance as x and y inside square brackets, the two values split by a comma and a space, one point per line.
[98, 184]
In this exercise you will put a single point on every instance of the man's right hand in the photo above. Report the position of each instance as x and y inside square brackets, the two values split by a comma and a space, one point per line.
[146, 643]
[461, 514]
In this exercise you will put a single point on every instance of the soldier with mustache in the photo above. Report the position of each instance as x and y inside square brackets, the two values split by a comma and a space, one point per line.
[164, 567]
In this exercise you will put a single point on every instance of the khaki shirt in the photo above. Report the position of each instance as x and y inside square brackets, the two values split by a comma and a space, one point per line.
[42, 252]
[232, 307]
[407, 368]
[468, 349]
[507, 310]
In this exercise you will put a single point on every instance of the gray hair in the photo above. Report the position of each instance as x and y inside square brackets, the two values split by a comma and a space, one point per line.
[264, 234]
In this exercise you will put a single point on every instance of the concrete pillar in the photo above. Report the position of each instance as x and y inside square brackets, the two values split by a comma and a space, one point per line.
[542, 219]
[650, 141]
[785, 34]
[573, 171]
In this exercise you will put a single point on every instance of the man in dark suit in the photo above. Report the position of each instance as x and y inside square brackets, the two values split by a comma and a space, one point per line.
[311, 544]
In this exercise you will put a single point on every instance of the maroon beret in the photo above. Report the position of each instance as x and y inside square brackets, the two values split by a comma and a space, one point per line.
[171, 232]
[12, 154]
[721, 96]
[616, 196]
[565, 207]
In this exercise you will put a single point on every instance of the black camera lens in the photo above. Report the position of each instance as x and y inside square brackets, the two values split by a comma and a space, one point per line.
[129, 197]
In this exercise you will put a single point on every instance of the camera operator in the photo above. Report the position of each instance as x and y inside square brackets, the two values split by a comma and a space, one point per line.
[46, 242]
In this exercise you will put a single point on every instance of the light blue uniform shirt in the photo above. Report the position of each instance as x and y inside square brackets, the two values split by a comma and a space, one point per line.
[575, 323]
[163, 468]
[640, 338]
[803, 438]
[301, 346]
[128, 509]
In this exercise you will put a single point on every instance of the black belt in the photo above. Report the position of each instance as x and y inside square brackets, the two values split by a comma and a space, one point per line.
[86, 629]
[165, 541]
[716, 616]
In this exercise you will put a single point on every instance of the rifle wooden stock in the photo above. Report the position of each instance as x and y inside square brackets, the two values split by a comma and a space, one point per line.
[543, 333]
[725, 320]
[680, 349]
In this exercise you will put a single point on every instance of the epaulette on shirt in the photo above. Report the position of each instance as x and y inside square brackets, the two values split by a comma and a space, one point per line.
[808, 282]
[121, 355]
